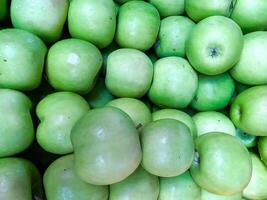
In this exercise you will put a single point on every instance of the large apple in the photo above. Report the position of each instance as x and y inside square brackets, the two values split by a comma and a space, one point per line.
[3, 9]
[214, 45]
[262, 148]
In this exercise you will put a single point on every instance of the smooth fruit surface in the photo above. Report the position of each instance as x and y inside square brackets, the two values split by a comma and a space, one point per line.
[168, 8]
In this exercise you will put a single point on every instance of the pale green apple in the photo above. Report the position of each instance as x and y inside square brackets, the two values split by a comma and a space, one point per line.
[129, 73]
[92, 20]
[43, 18]
[3, 9]
[106, 146]
[73, 65]
[168, 148]
[22, 57]
[174, 83]
[58, 113]
[253, 57]
[173, 33]
[205, 195]
[16, 126]
[222, 164]
[179, 187]
[138, 25]
[61, 182]
[248, 140]
[249, 111]
[262, 148]
[214, 45]
[139, 185]
[168, 8]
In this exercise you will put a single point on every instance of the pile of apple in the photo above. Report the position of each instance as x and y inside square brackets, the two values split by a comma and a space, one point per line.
[133, 100]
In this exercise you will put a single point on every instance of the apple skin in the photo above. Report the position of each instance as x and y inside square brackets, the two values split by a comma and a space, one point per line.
[139, 185]
[176, 91]
[107, 136]
[198, 10]
[129, 73]
[43, 18]
[16, 126]
[173, 33]
[249, 109]
[138, 25]
[84, 60]
[3, 9]
[214, 45]
[179, 187]
[214, 92]
[19, 69]
[256, 189]
[168, 8]
[94, 21]
[58, 113]
[262, 148]
[215, 150]
[205, 195]
[253, 57]
[250, 15]
[168, 148]
[61, 182]
[124, 1]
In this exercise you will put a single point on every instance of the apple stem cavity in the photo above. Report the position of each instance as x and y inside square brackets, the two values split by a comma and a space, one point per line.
[214, 52]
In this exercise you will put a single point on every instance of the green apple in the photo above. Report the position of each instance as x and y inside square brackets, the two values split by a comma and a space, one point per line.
[253, 57]
[16, 126]
[214, 45]
[129, 73]
[22, 57]
[198, 10]
[94, 21]
[168, 148]
[106, 146]
[179, 88]
[19, 179]
[3, 9]
[250, 15]
[247, 139]
[179, 187]
[249, 111]
[139, 185]
[256, 189]
[222, 164]
[173, 34]
[58, 113]
[212, 121]
[136, 109]
[138, 25]
[262, 148]
[214, 92]
[43, 18]
[80, 61]
[168, 8]
[205, 195]
[61, 182]
[178, 115]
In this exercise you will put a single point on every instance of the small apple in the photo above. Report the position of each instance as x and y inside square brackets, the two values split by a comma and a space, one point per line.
[205, 195]
[3, 9]
[214, 45]
[262, 148]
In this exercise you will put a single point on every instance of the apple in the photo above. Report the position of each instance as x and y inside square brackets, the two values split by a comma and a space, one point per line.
[256, 189]
[129, 73]
[58, 113]
[94, 21]
[173, 34]
[179, 187]
[198, 10]
[178, 115]
[168, 8]
[43, 18]
[252, 57]
[168, 148]
[16, 126]
[249, 109]
[214, 45]
[205, 195]
[247, 139]
[80, 61]
[3, 9]
[106, 146]
[215, 150]
[250, 15]
[22, 57]
[138, 25]
[139, 185]
[214, 92]
[61, 182]
[174, 83]
[262, 148]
